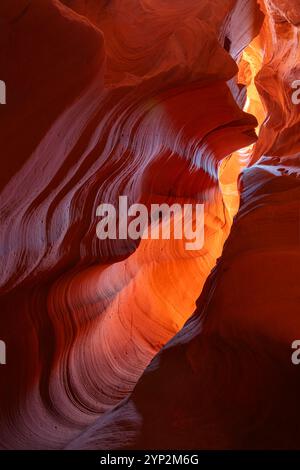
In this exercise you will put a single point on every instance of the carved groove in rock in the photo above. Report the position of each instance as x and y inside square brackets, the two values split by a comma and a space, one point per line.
[164, 102]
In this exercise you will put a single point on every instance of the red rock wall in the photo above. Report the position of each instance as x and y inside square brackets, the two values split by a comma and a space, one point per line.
[146, 99]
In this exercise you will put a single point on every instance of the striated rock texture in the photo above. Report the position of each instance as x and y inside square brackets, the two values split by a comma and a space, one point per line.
[226, 381]
[147, 99]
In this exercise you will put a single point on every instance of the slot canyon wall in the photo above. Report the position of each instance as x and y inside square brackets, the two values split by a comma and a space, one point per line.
[128, 344]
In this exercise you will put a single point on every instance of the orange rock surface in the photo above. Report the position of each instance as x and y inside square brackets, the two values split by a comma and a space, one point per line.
[162, 101]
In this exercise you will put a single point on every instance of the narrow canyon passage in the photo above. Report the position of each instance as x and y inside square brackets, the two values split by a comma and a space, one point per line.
[162, 102]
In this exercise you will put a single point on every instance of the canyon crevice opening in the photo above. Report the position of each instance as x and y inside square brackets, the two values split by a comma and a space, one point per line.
[119, 343]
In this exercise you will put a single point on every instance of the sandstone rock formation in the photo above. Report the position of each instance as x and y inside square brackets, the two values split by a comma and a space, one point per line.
[158, 101]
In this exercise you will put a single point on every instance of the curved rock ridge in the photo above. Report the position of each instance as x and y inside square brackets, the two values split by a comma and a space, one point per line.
[148, 100]
[280, 69]
[232, 359]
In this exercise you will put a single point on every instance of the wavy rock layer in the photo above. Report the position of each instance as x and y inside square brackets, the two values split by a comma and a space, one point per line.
[226, 380]
[232, 359]
[141, 98]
